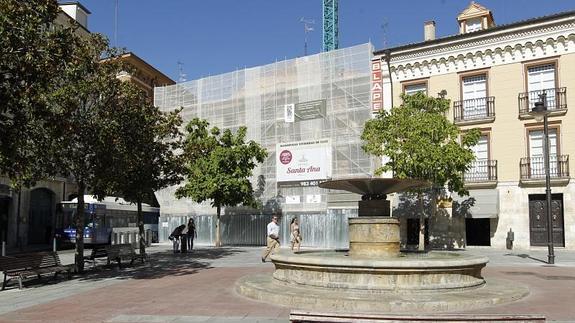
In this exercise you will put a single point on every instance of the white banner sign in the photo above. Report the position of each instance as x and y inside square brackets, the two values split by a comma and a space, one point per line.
[303, 161]
[315, 198]
[293, 199]
[289, 112]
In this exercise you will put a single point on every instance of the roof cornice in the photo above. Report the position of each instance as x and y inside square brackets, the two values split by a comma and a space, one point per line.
[528, 24]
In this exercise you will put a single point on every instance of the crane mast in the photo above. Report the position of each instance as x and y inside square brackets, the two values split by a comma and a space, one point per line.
[330, 25]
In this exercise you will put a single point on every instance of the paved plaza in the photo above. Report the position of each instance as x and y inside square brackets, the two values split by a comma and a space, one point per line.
[199, 287]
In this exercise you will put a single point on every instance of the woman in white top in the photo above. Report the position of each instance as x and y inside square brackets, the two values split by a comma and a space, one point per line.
[295, 234]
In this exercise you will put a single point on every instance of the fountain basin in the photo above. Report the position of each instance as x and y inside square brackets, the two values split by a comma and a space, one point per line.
[430, 272]
[263, 287]
[374, 275]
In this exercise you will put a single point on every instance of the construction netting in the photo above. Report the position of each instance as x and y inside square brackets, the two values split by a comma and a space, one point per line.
[316, 106]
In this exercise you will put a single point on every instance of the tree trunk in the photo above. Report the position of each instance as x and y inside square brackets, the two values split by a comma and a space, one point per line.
[434, 199]
[218, 233]
[79, 222]
[421, 245]
[142, 233]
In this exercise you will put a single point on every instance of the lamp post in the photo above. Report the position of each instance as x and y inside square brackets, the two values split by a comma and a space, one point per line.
[540, 113]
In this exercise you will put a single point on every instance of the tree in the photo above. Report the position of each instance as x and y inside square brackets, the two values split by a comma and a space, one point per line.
[144, 155]
[421, 143]
[84, 97]
[33, 52]
[218, 167]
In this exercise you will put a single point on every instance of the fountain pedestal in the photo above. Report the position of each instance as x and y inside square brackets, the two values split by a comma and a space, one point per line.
[374, 236]
[374, 275]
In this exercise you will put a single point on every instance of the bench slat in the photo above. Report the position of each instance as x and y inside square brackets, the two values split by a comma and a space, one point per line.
[31, 264]
[123, 251]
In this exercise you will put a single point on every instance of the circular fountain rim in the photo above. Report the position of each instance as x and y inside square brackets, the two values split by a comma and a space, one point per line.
[320, 259]
[263, 287]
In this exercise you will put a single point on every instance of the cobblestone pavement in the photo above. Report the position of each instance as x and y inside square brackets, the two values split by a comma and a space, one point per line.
[199, 287]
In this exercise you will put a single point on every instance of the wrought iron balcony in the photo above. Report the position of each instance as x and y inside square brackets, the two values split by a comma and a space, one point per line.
[534, 167]
[481, 171]
[474, 109]
[556, 100]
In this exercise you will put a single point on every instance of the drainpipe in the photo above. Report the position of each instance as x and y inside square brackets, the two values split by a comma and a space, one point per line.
[387, 58]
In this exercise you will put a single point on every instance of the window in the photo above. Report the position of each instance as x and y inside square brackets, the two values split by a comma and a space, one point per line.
[481, 149]
[536, 142]
[479, 169]
[539, 78]
[411, 89]
[474, 96]
[472, 25]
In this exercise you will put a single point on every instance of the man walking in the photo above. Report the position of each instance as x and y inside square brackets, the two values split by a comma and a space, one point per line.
[273, 238]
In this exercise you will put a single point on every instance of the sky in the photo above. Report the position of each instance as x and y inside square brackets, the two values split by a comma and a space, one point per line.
[211, 37]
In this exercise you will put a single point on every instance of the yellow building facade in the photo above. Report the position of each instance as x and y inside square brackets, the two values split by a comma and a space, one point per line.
[493, 76]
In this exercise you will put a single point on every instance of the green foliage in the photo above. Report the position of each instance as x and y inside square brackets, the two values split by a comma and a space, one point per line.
[142, 158]
[219, 165]
[33, 52]
[83, 101]
[421, 142]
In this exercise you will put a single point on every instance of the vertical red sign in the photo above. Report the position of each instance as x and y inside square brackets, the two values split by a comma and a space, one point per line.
[376, 86]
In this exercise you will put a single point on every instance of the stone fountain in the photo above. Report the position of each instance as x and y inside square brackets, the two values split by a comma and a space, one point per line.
[374, 275]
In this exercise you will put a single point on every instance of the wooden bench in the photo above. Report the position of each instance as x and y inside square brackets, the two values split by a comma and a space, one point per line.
[97, 252]
[32, 265]
[118, 252]
[297, 316]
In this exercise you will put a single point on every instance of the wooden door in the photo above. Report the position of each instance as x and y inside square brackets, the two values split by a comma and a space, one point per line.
[538, 219]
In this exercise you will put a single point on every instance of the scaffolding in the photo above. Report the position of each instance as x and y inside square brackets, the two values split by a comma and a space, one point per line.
[256, 97]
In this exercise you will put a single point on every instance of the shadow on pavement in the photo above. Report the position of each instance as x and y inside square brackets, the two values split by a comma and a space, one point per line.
[542, 276]
[526, 256]
[159, 264]
[162, 264]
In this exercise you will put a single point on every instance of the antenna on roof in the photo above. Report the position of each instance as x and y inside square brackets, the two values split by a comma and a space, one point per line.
[307, 27]
[181, 75]
[384, 25]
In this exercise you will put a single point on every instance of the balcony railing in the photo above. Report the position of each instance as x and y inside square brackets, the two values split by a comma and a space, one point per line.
[556, 100]
[474, 109]
[481, 171]
[534, 167]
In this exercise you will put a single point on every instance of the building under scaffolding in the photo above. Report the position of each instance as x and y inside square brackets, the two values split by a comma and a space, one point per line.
[308, 113]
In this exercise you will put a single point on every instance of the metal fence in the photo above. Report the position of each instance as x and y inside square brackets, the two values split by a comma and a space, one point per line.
[534, 167]
[474, 109]
[481, 171]
[556, 99]
[318, 230]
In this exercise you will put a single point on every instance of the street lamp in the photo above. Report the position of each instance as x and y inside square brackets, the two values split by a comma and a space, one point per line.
[540, 113]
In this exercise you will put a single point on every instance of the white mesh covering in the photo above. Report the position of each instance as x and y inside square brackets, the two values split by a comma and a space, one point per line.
[256, 98]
